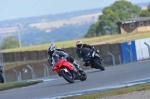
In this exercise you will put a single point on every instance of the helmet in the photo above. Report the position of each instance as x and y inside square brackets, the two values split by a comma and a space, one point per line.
[79, 44]
[51, 49]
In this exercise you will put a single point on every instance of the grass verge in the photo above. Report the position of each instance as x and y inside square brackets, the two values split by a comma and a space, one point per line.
[10, 85]
[115, 38]
[10, 65]
[124, 90]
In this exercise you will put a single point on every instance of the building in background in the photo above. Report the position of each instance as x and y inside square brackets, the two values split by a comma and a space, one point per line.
[141, 24]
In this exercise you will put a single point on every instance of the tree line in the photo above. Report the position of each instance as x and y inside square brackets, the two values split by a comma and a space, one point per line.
[119, 10]
[34, 36]
[106, 24]
[146, 13]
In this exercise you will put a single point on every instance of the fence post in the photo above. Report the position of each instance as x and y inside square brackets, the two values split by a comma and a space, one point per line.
[130, 53]
[47, 70]
[120, 59]
[45, 73]
[113, 58]
[148, 48]
[17, 75]
[32, 72]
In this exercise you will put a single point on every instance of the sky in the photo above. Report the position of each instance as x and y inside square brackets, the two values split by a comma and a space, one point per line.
[12, 9]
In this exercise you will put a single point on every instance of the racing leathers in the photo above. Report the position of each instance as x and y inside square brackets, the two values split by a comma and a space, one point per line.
[82, 52]
[62, 53]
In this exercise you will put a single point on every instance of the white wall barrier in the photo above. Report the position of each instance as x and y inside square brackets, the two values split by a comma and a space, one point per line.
[142, 51]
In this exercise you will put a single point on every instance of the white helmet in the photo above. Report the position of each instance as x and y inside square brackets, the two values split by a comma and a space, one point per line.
[51, 49]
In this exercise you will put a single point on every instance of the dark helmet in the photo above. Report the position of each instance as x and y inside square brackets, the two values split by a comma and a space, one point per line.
[51, 49]
[78, 44]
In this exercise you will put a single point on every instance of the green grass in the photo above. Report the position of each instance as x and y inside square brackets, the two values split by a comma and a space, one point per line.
[71, 43]
[10, 85]
[112, 92]
[104, 39]
[10, 65]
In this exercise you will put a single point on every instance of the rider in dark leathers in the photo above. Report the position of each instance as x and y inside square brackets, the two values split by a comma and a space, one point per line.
[54, 53]
[81, 51]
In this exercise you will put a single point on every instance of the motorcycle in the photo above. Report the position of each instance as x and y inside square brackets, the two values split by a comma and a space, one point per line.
[94, 59]
[66, 70]
[1, 75]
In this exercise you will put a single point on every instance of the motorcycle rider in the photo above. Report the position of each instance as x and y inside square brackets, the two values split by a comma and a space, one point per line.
[81, 51]
[55, 53]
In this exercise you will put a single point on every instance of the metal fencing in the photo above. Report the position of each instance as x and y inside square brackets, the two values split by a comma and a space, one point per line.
[42, 69]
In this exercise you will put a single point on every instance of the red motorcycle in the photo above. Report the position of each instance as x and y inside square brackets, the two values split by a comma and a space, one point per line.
[66, 70]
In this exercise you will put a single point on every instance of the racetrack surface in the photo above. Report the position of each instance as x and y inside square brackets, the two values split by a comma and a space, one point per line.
[95, 78]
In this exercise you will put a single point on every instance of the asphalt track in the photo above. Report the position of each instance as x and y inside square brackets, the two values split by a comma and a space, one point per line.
[113, 75]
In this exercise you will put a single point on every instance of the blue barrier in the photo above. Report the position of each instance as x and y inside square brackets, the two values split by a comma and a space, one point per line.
[125, 48]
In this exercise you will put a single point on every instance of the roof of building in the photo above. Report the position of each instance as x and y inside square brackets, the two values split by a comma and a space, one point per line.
[134, 20]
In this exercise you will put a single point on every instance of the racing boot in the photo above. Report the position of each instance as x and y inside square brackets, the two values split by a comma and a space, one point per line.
[77, 75]
[86, 64]
[77, 66]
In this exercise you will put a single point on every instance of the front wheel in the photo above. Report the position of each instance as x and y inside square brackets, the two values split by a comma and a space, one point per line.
[67, 75]
[99, 64]
[1, 78]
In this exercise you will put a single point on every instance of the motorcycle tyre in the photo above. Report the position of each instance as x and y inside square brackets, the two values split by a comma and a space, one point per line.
[99, 65]
[63, 74]
[84, 76]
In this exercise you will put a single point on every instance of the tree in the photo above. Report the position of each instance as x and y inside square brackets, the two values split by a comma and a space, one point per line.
[148, 8]
[9, 42]
[91, 31]
[146, 13]
[112, 14]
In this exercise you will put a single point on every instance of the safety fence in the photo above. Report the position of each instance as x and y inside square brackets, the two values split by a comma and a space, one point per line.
[113, 54]
[43, 69]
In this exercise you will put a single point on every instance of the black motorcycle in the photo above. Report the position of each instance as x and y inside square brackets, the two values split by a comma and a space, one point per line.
[1, 75]
[93, 59]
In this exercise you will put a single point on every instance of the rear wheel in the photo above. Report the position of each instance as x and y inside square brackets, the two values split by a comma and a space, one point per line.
[84, 76]
[99, 64]
[1, 78]
[67, 75]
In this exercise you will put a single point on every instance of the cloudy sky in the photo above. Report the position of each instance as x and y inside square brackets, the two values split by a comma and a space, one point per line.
[11, 9]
